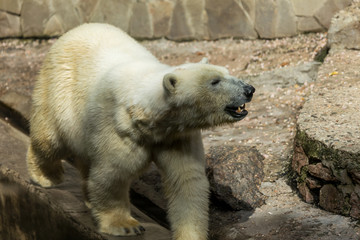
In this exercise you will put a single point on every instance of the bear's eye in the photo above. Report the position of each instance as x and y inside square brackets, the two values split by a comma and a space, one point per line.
[215, 81]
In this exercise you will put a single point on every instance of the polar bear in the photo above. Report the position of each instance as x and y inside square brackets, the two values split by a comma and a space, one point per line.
[102, 100]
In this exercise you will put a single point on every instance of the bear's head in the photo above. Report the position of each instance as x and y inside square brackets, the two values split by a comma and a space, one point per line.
[202, 95]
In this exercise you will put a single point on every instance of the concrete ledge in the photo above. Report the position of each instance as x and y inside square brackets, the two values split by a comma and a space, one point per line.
[327, 148]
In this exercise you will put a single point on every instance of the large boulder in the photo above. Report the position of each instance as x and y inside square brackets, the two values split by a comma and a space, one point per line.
[235, 174]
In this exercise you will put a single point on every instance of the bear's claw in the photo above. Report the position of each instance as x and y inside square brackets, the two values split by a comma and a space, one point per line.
[128, 231]
[125, 230]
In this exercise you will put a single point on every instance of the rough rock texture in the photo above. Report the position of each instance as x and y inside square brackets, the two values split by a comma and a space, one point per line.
[10, 24]
[235, 174]
[26, 213]
[344, 31]
[229, 19]
[288, 76]
[176, 20]
[327, 155]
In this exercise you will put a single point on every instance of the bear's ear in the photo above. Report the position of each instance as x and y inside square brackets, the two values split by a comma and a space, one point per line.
[170, 82]
[204, 60]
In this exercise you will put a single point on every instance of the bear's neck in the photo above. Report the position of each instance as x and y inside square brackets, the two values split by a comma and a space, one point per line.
[157, 126]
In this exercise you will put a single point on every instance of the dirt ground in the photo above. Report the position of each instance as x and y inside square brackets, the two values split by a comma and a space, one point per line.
[270, 125]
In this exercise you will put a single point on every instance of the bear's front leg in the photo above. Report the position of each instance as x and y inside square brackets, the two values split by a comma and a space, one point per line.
[113, 168]
[185, 187]
[112, 211]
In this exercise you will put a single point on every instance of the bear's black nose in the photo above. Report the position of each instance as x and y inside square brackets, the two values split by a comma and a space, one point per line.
[249, 90]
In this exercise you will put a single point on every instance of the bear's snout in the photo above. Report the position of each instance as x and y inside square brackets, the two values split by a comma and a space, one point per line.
[249, 91]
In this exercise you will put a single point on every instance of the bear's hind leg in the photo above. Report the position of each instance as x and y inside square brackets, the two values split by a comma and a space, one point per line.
[44, 168]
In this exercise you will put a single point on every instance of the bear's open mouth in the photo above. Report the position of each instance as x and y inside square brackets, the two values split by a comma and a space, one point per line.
[238, 112]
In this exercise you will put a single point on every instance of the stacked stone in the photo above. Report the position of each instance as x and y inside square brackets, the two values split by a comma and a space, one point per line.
[175, 20]
[327, 147]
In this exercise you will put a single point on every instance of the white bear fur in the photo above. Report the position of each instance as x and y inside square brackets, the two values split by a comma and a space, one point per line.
[102, 100]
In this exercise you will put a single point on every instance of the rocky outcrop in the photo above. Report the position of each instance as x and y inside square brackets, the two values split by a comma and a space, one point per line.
[176, 20]
[327, 146]
[235, 174]
[345, 29]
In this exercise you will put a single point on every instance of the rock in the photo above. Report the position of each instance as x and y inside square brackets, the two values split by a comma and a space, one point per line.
[285, 20]
[326, 129]
[307, 8]
[224, 23]
[355, 206]
[308, 24]
[250, 9]
[10, 25]
[28, 213]
[66, 15]
[265, 18]
[355, 175]
[117, 13]
[11, 6]
[331, 199]
[299, 159]
[177, 20]
[328, 9]
[345, 28]
[13, 149]
[32, 24]
[313, 183]
[54, 27]
[161, 12]
[275, 19]
[288, 76]
[321, 172]
[140, 22]
[235, 174]
[341, 4]
[179, 27]
[197, 18]
[17, 102]
[305, 193]
[85, 9]
[325, 123]
[342, 176]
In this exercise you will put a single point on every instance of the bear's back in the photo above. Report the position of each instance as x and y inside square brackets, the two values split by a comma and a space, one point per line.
[76, 66]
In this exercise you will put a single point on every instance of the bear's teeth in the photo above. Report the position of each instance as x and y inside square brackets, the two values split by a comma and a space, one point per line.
[240, 108]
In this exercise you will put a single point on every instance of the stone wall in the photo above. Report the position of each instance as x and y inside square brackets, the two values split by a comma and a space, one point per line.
[173, 19]
[327, 144]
